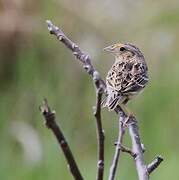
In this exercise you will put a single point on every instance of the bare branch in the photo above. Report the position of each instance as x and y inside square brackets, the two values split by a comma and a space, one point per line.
[77, 52]
[99, 84]
[114, 164]
[126, 150]
[136, 152]
[154, 164]
[100, 136]
[137, 149]
[50, 122]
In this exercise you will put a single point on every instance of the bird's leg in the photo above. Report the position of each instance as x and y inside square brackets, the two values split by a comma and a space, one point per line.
[128, 113]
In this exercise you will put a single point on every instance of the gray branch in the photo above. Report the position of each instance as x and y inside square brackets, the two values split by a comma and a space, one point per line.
[126, 150]
[154, 164]
[99, 84]
[50, 122]
[118, 150]
[137, 149]
[77, 52]
[100, 136]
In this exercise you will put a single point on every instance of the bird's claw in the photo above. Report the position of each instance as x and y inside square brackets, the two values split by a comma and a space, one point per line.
[127, 120]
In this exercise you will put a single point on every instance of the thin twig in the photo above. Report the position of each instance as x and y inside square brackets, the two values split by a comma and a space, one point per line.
[50, 122]
[77, 52]
[99, 84]
[100, 136]
[114, 164]
[154, 164]
[126, 150]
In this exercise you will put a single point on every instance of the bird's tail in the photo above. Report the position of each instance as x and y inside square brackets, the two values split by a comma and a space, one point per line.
[111, 101]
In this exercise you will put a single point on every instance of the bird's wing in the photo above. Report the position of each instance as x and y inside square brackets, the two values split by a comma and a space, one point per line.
[136, 84]
[135, 79]
[115, 76]
[112, 99]
[123, 79]
[114, 82]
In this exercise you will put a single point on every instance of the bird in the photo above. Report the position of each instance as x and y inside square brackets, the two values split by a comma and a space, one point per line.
[127, 77]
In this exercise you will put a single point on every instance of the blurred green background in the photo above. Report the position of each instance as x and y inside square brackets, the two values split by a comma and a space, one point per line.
[34, 65]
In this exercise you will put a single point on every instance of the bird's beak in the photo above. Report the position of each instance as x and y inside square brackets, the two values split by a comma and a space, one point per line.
[113, 47]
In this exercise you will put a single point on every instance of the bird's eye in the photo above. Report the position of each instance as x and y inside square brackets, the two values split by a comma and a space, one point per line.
[122, 49]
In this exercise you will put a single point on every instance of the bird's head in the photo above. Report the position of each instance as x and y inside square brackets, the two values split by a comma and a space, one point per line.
[123, 51]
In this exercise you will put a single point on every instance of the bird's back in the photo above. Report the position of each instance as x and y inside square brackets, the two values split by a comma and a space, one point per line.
[123, 75]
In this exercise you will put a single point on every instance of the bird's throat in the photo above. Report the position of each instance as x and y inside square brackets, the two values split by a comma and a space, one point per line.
[119, 58]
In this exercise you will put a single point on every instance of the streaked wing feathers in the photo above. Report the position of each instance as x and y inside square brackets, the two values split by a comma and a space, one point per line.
[136, 84]
[127, 77]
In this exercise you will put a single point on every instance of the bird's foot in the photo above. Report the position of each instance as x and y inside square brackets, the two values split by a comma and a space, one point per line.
[127, 119]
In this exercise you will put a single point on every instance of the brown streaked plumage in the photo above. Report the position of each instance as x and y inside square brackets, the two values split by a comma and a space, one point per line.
[127, 76]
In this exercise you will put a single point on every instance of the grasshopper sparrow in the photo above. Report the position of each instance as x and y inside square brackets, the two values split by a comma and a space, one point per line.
[127, 76]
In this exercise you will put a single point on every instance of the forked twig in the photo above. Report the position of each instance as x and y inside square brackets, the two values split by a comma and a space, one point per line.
[50, 122]
[126, 150]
